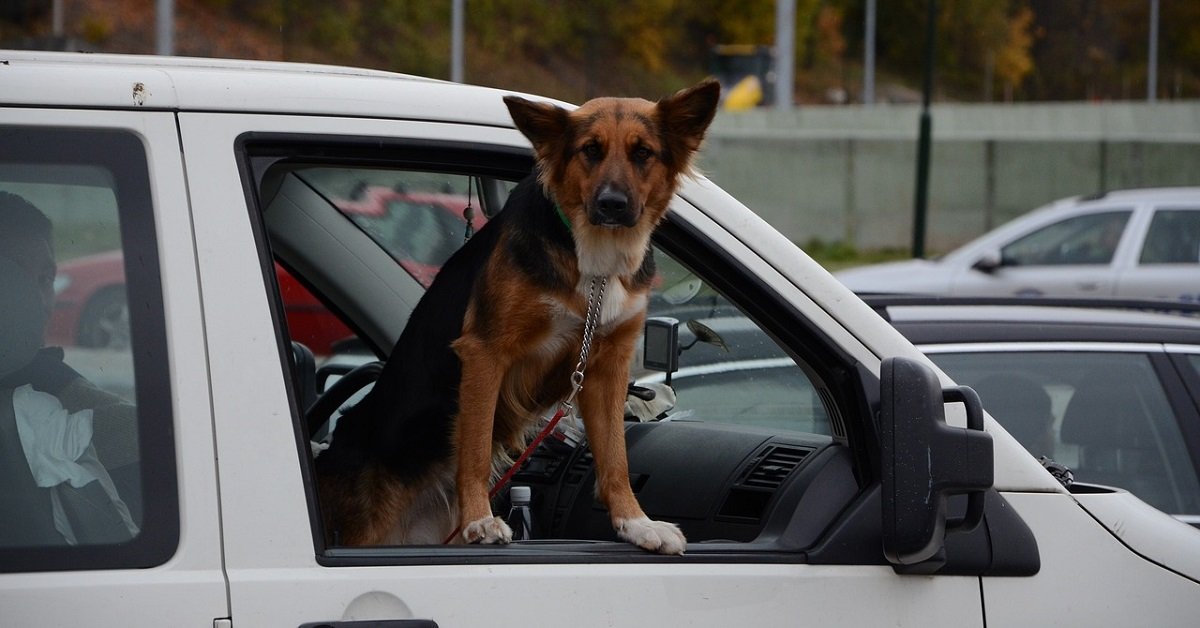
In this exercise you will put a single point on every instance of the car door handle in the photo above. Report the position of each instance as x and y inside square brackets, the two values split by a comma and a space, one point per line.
[374, 623]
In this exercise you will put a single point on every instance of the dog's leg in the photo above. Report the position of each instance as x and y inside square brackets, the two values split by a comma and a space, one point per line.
[480, 386]
[602, 402]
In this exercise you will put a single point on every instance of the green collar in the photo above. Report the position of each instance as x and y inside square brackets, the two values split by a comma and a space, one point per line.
[562, 216]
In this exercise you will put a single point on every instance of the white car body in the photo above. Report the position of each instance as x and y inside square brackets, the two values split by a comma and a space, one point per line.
[976, 268]
[245, 549]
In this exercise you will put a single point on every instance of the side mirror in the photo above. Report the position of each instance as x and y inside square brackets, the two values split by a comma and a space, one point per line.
[988, 262]
[924, 461]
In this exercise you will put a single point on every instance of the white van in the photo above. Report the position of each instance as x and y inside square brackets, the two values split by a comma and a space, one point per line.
[258, 210]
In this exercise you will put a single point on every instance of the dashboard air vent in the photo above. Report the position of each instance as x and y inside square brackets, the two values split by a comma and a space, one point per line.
[774, 466]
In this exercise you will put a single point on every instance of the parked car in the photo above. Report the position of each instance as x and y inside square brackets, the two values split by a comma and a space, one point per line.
[91, 310]
[1141, 243]
[1110, 390]
[89, 302]
[901, 503]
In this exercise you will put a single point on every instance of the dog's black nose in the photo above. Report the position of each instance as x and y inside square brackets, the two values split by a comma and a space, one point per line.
[611, 207]
[612, 201]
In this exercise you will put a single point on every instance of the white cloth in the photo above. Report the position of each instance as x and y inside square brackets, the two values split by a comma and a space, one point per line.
[52, 438]
[58, 449]
[663, 402]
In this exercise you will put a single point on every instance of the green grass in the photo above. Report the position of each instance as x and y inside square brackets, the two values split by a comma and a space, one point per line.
[838, 255]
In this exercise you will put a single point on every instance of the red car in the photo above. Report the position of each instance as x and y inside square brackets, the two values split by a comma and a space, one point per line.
[91, 310]
[420, 229]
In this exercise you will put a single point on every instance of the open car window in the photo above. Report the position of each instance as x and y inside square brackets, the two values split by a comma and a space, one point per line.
[719, 445]
[729, 370]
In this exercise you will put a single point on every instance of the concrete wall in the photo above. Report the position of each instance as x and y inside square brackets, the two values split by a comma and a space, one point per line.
[848, 173]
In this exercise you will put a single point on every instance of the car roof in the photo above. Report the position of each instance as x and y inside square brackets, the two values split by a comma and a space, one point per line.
[143, 82]
[949, 320]
[1143, 195]
[1104, 201]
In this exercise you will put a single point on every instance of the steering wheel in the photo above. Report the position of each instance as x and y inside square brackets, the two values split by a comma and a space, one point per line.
[352, 381]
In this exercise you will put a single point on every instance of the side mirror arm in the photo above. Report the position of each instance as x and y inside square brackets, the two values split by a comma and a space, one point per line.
[988, 262]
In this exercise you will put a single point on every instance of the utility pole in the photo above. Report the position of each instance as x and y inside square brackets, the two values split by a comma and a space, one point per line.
[785, 52]
[165, 27]
[923, 139]
[868, 95]
[457, 12]
[1152, 55]
[56, 19]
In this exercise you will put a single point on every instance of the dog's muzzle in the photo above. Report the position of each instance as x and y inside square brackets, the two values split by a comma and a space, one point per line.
[611, 208]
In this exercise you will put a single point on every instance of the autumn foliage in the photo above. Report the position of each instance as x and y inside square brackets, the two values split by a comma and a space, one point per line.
[986, 49]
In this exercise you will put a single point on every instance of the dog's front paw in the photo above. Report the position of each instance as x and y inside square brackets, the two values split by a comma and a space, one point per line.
[488, 530]
[656, 536]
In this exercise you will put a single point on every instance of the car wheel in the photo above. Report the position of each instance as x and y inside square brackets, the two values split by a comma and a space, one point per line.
[105, 321]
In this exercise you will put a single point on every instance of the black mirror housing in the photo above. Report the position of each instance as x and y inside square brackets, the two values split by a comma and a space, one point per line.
[924, 461]
[989, 262]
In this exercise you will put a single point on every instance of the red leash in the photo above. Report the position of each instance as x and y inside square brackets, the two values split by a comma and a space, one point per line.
[516, 466]
[508, 475]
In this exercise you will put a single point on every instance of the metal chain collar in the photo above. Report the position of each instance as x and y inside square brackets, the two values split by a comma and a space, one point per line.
[592, 320]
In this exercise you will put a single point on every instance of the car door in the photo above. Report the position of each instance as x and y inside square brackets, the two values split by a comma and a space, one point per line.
[287, 197]
[1078, 256]
[1166, 264]
[108, 506]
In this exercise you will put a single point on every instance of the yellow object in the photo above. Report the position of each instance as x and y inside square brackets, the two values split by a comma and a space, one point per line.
[745, 95]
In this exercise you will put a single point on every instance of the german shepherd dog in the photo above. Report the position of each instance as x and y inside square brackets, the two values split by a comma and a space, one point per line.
[492, 344]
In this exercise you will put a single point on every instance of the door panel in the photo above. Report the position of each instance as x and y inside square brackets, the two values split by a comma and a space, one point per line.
[133, 371]
[281, 574]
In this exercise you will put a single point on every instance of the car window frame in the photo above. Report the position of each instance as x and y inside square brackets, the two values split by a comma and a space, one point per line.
[767, 308]
[125, 155]
[1185, 360]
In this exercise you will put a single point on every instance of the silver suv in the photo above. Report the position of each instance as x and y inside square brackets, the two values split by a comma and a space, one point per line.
[1132, 243]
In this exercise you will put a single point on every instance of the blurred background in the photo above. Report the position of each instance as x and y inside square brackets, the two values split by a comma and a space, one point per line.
[1030, 100]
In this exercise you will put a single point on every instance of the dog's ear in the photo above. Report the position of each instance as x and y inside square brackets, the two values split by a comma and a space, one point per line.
[544, 124]
[685, 117]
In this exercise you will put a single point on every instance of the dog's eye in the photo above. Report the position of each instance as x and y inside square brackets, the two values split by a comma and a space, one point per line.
[592, 151]
[642, 154]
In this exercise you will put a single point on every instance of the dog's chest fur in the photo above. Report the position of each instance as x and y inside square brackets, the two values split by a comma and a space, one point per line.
[619, 304]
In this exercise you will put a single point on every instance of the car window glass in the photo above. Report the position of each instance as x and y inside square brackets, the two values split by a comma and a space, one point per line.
[1103, 415]
[310, 322]
[84, 401]
[1173, 238]
[420, 218]
[1088, 239]
[730, 370]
